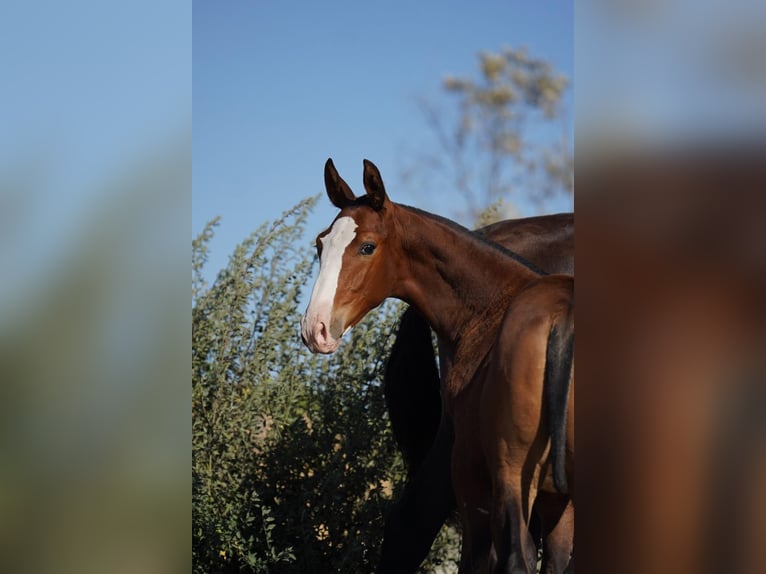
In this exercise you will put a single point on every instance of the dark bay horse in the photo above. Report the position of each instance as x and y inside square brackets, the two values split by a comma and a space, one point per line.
[508, 394]
[411, 382]
[413, 398]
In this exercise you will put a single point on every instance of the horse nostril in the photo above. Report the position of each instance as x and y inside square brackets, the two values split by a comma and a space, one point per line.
[321, 333]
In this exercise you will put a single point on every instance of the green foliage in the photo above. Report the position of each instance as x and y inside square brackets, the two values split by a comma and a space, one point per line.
[294, 465]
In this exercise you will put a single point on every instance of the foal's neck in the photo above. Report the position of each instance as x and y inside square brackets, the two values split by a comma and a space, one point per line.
[459, 282]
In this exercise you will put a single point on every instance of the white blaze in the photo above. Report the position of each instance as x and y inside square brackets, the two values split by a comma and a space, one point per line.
[334, 245]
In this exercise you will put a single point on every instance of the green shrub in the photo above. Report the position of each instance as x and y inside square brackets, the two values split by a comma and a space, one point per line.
[294, 465]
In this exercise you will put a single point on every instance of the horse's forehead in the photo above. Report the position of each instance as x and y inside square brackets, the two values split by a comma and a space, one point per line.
[340, 232]
[360, 219]
[365, 218]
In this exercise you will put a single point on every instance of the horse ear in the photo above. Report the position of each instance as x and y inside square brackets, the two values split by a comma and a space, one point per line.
[337, 190]
[373, 184]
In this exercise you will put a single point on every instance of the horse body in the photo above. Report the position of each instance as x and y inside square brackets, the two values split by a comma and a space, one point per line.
[501, 420]
[413, 397]
[462, 286]
[545, 240]
[412, 381]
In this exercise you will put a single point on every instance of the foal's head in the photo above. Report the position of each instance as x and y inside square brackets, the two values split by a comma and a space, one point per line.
[357, 260]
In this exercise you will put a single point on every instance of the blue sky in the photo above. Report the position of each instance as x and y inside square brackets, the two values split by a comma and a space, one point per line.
[278, 87]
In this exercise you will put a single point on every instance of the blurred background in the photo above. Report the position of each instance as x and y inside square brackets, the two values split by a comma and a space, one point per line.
[671, 181]
[95, 183]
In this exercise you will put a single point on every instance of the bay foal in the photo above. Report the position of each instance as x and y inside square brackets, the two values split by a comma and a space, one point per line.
[412, 390]
[508, 394]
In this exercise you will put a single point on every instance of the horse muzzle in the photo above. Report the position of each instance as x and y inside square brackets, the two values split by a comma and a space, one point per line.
[315, 334]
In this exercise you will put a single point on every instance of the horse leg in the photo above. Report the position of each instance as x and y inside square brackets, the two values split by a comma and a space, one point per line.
[557, 517]
[472, 488]
[514, 546]
[415, 519]
[476, 548]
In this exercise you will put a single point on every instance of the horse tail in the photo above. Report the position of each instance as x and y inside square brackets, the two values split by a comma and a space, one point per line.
[559, 357]
[412, 390]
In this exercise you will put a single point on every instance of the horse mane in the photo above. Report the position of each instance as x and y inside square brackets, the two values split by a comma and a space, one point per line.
[477, 237]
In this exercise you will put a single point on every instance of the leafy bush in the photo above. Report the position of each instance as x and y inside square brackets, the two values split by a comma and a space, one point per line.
[293, 464]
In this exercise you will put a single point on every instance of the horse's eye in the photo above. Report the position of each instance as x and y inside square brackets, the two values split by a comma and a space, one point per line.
[366, 248]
